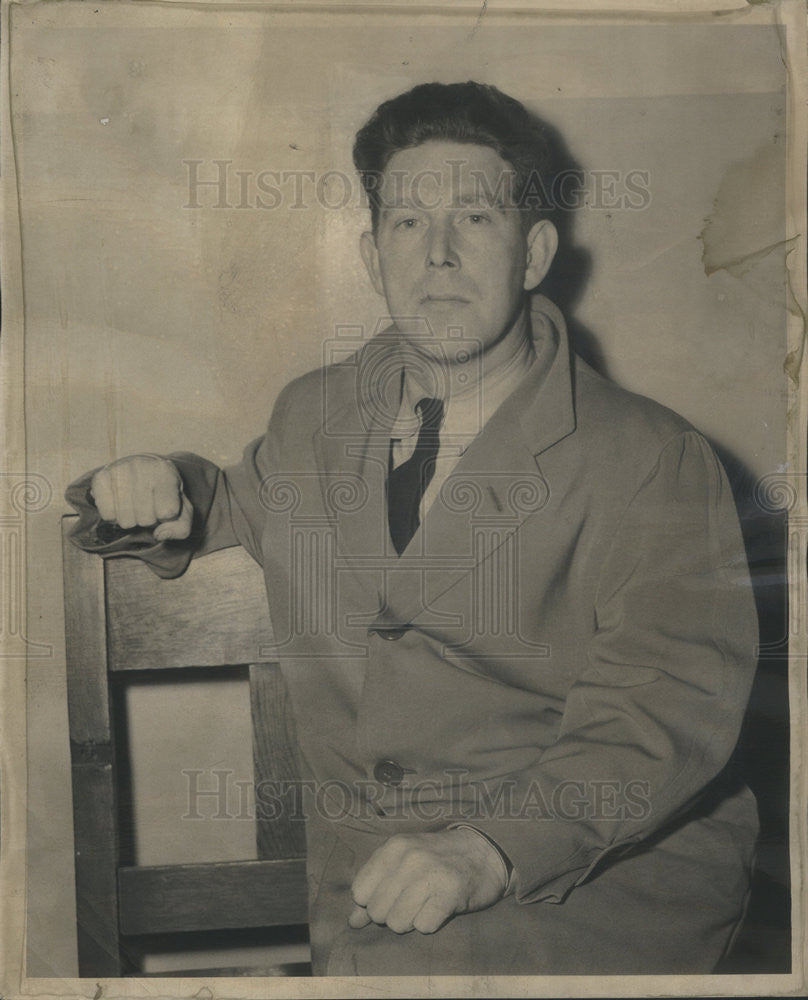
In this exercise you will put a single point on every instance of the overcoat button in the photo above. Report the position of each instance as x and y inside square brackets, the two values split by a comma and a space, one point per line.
[389, 633]
[387, 772]
[392, 633]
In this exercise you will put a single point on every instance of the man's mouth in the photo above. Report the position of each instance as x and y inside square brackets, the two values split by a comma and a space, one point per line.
[444, 298]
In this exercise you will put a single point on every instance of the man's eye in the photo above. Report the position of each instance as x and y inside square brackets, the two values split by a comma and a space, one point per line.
[406, 223]
[476, 218]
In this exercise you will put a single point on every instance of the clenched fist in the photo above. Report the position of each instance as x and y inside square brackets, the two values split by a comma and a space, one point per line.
[143, 491]
[417, 881]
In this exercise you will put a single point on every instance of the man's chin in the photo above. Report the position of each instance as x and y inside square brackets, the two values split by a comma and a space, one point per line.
[437, 319]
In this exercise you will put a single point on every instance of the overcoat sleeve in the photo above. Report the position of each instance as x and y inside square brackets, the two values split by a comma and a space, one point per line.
[656, 710]
[226, 503]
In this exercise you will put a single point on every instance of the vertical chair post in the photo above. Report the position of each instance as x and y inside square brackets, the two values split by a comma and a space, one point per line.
[92, 753]
[281, 833]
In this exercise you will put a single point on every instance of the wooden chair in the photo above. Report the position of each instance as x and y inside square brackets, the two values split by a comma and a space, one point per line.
[122, 619]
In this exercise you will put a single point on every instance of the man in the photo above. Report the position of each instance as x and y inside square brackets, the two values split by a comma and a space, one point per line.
[534, 638]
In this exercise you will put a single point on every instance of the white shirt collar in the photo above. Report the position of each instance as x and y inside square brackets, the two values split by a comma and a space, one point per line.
[467, 411]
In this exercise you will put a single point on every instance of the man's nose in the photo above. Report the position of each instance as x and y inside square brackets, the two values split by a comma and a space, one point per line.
[440, 249]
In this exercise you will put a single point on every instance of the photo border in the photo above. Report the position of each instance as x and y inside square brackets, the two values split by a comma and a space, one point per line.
[790, 14]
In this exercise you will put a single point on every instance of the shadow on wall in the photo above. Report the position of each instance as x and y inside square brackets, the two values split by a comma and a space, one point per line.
[762, 754]
[572, 268]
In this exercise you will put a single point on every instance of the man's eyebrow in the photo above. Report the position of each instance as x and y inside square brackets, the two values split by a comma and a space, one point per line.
[465, 199]
[477, 199]
[397, 203]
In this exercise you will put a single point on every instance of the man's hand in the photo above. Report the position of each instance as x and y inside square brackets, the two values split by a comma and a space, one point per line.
[417, 881]
[145, 491]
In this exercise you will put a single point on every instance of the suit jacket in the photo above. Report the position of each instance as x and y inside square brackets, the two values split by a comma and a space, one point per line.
[561, 658]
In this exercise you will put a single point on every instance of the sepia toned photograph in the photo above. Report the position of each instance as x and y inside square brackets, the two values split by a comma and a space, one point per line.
[404, 499]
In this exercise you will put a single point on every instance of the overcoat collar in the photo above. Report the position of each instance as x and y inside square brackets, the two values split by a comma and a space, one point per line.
[495, 485]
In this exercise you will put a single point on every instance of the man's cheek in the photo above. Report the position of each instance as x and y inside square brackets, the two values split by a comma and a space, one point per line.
[397, 270]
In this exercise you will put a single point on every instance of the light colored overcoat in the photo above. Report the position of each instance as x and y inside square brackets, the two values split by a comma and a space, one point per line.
[560, 658]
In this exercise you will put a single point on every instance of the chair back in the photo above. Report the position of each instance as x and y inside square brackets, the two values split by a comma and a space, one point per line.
[123, 621]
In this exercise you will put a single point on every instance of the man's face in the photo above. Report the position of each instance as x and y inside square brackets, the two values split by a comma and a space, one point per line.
[450, 245]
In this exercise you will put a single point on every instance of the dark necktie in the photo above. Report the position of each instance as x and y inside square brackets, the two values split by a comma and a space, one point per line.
[407, 483]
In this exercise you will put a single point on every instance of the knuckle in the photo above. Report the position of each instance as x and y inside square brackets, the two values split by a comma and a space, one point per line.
[167, 507]
[166, 472]
[121, 486]
[428, 923]
[416, 858]
[360, 896]
[398, 924]
[396, 845]
[449, 879]
[116, 472]
[121, 465]
[408, 863]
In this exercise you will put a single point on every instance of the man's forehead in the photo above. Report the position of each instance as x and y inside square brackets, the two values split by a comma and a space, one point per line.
[462, 173]
[456, 161]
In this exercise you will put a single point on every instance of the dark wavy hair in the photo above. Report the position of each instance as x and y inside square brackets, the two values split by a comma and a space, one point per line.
[470, 112]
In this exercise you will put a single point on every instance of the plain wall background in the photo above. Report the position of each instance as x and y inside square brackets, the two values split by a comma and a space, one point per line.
[151, 326]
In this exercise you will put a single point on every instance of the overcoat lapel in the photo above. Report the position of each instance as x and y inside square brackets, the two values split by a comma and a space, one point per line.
[352, 446]
[494, 487]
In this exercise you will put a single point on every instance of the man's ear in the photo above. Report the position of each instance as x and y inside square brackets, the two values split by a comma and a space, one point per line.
[370, 255]
[542, 243]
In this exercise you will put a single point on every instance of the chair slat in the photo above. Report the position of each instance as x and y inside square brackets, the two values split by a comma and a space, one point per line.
[214, 615]
[169, 898]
